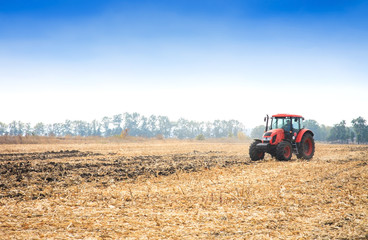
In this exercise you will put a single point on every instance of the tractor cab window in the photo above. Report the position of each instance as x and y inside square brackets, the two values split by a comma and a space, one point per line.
[296, 124]
[274, 123]
[278, 123]
[287, 126]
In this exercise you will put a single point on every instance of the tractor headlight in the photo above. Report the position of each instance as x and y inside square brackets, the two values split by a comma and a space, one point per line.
[266, 139]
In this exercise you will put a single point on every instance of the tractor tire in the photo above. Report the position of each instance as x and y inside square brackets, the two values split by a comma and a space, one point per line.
[272, 152]
[284, 151]
[254, 153]
[306, 147]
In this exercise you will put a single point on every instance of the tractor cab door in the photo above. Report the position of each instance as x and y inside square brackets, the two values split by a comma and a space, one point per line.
[295, 126]
[288, 128]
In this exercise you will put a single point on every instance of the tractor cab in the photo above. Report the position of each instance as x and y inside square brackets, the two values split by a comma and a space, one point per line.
[284, 135]
[289, 124]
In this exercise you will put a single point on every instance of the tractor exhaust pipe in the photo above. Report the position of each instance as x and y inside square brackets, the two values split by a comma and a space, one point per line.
[266, 120]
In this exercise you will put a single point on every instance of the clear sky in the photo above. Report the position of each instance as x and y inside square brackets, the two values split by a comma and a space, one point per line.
[201, 60]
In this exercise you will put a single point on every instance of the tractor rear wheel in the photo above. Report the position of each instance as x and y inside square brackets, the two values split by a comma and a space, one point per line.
[284, 151]
[306, 147]
[254, 153]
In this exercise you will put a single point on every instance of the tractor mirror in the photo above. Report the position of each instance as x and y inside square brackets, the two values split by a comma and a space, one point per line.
[264, 119]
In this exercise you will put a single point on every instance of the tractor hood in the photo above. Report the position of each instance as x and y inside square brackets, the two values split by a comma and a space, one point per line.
[273, 136]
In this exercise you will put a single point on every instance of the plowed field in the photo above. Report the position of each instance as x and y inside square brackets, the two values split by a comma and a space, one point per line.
[177, 189]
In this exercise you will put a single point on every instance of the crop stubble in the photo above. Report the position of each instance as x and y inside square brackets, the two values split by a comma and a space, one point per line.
[177, 189]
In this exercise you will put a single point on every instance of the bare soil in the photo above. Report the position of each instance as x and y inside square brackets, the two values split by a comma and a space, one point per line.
[71, 167]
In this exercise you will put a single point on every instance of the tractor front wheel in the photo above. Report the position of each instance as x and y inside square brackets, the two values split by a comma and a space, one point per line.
[284, 151]
[254, 153]
[306, 147]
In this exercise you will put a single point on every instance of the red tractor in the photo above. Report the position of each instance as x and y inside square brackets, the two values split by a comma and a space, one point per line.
[284, 136]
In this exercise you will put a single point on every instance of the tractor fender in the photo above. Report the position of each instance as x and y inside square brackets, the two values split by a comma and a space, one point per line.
[301, 134]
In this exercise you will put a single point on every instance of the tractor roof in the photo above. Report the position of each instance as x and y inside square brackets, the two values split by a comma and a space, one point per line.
[286, 115]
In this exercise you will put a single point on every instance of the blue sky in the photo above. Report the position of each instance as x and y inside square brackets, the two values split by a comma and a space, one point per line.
[202, 60]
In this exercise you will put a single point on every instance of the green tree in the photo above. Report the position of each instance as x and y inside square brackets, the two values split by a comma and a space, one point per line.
[315, 128]
[220, 129]
[67, 128]
[21, 128]
[13, 128]
[116, 121]
[361, 129]
[257, 132]
[27, 129]
[95, 128]
[57, 129]
[339, 132]
[208, 133]
[39, 129]
[325, 132]
[164, 126]
[3, 129]
[143, 127]
[351, 134]
[152, 126]
[80, 128]
[105, 125]
[233, 127]
[132, 122]
[182, 129]
[49, 130]
[200, 137]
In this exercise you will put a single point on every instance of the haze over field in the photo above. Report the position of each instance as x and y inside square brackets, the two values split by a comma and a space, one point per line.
[201, 60]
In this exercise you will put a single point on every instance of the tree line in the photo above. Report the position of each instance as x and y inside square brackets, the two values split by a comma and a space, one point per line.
[340, 132]
[133, 124]
[139, 125]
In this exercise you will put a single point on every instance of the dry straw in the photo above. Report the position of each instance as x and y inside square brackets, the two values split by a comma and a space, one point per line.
[325, 198]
